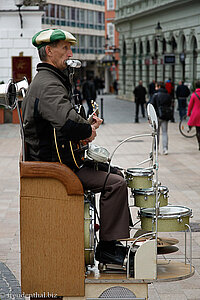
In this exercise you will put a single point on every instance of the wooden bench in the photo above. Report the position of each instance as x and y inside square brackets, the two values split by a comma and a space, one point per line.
[51, 230]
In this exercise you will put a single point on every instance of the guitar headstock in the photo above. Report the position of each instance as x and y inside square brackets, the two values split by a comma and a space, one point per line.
[95, 108]
[95, 111]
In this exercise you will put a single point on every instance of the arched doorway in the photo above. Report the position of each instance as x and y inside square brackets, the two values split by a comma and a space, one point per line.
[134, 64]
[140, 61]
[182, 57]
[164, 48]
[155, 61]
[147, 62]
[173, 48]
[194, 58]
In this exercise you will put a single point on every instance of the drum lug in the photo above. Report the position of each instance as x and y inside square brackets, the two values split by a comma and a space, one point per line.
[146, 198]
[180, 220]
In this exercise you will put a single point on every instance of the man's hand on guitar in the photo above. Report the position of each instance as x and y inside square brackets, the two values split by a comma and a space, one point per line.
[93, 135]
[96, 122]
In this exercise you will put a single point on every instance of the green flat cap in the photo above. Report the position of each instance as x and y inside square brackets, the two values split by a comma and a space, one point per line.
[46, 36]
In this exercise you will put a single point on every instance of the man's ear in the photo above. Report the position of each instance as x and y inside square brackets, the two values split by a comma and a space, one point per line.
[48, 50]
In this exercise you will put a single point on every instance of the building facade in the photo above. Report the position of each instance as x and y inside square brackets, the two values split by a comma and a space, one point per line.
[18, 58]
[85, 19]
[111, 58]
[147, 55]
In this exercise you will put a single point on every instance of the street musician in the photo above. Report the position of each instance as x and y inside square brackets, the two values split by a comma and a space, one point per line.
[52, 126]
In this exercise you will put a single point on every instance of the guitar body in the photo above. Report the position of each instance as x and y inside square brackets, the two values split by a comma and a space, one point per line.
[72, 153]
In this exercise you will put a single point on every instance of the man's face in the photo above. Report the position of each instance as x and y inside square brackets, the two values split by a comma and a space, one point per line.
[59, 54]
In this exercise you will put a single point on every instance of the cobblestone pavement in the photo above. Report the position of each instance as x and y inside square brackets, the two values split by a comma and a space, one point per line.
[179, 171]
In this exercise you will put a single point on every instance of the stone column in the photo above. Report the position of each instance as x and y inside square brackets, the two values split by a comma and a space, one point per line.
[129, 68]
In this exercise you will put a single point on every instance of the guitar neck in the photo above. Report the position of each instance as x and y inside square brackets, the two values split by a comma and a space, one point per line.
[90, 118]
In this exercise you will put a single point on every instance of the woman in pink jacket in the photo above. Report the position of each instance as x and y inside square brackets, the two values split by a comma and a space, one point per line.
[194, 111]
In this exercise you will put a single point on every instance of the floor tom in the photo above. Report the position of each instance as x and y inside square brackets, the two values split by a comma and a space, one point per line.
[170, 218]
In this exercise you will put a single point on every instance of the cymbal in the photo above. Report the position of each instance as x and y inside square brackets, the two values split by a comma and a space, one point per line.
[167, 249]
[162, 242]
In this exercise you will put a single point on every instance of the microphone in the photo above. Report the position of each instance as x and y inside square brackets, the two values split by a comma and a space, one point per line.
[73, 63]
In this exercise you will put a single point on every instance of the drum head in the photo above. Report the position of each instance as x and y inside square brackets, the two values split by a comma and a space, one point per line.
[139, 172]
[11, 96]
[167, 211]
[153, 120]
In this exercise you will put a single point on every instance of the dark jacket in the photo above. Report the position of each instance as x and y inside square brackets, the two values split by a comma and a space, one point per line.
[182, 91]
[140, 93]
[161, 98]
[88, 90]
[47, 106]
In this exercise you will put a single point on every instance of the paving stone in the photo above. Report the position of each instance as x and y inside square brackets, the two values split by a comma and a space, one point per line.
[179, 171]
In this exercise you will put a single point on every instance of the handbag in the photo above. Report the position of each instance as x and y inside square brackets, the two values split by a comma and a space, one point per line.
[165, 113]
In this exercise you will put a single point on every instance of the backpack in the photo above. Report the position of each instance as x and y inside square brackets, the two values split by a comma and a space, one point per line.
[164, 112]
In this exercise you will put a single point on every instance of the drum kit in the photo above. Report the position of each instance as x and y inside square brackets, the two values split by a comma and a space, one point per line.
[150, 197]
[155, 213]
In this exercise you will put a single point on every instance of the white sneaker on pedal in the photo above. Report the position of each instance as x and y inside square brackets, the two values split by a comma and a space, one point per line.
[165, 152]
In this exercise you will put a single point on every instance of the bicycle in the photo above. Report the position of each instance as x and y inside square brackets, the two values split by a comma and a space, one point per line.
[185, 130]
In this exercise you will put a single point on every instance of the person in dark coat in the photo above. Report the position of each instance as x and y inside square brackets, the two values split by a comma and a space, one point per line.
[182, 92]
[140, 99]
[170, 89]
[152, 89]
[162, 102]
[89, 94]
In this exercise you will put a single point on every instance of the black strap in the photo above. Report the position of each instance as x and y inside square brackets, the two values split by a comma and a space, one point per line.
[197, 95]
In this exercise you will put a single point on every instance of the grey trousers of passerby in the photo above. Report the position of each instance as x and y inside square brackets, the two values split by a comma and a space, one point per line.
[114, 210]
[164, 127]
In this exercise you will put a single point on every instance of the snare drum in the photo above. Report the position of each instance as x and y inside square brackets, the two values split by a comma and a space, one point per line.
[170, 218]
[147, 197]
[139, 178]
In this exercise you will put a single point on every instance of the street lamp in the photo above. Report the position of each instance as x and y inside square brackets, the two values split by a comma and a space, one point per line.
[19, 4]
[158, 32]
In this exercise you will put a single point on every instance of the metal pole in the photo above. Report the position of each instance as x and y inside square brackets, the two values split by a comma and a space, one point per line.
[102, 110]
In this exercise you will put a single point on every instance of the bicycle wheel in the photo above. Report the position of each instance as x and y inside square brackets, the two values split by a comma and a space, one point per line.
[186, 130]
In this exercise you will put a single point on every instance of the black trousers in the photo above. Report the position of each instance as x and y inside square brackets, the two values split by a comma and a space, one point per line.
[137, 110]
[114, 210]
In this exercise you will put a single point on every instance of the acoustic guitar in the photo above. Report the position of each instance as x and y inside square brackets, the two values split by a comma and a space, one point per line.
[77, 149]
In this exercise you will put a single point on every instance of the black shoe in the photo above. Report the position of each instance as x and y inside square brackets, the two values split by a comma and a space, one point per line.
[115, 256]
[136, 121]
[110, 253]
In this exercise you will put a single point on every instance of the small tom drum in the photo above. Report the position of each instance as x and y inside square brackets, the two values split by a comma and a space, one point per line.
[147, 197]
[170, 218]
[139, 178]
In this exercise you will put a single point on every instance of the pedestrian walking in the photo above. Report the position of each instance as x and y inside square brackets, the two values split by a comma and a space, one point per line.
[152, 89]
[89, 94]
[140, 99]
[115, 86]
[170, 89]
[194, 111]
[182, 92]
[161, 101]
